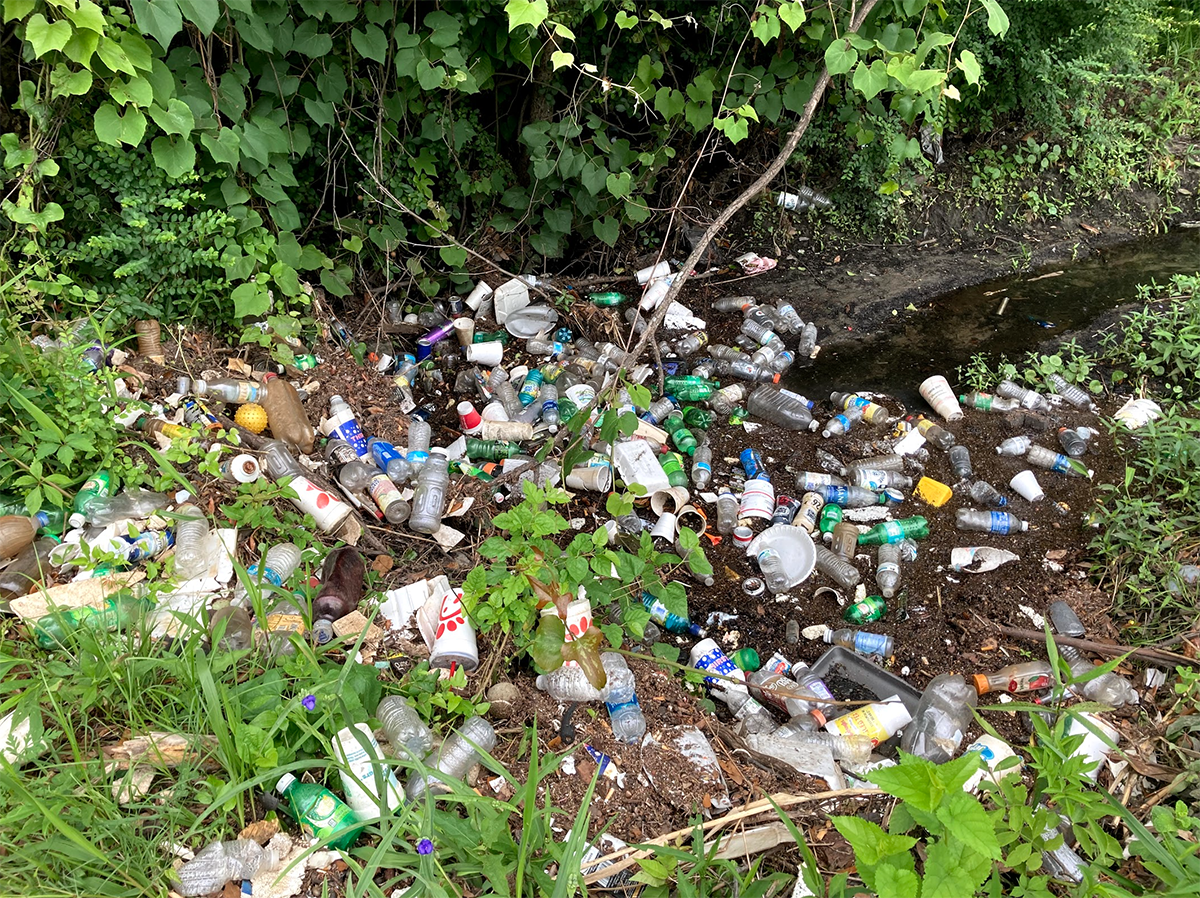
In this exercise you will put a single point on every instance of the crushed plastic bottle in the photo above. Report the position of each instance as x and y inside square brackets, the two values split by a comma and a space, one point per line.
[837, 568]
[986, 494]
[942, 718]
[569, 683]
[1072, 441]
[780, 407]
[404, 728]
[221, 862]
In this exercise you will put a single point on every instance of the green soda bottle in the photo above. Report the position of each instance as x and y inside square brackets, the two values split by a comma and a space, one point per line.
[699, 418]
[500, 336]
[94, 490]
[51, 630]
[831, 516]
[689, 387]
[320, 813]
[492, 450]
[915, 527]
[869, 609]
[672, 465]
[606, 300]
[681, 438]
[747, 659]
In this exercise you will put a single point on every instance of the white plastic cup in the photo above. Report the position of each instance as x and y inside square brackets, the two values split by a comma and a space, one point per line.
[464, 329]
[665, 526]
[936, 391]
[477, 296]
[585, 477]
[487, 354]
[1026, 484]
[758, 499]
[494, 411]
[454, 639]
[1093, 747]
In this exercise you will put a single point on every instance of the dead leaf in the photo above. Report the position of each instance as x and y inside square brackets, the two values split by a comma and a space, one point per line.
[382, 564]
[260, 831]
[237, 366]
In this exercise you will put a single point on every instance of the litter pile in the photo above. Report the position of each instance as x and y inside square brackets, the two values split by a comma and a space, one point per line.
[511, 392]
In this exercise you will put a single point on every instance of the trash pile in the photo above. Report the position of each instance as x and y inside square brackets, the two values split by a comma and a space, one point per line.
[842, 522]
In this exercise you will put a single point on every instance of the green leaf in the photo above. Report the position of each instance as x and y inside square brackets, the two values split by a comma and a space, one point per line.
[665, 650]
[285, 278]
[223, 147]
[175, 119]
[561, 58]
[107, 124]
[160, 19]
[46, 36]
[133, 126]
[136, 90]
[840, 57]
[176, 156]
[792, 13]
[970, 66]
[370, 42]
[66, 83]
[526, 12]
[607, 229]
[444, 28]
[966, 818]
[869, 841]
[429, 76]
[249, 300]
[953, 870]
[312, 43]
[896, 882]
[997, 18]
[201, 13]
[546, 648]
[624, 20]
[454, 256]
[81, 47]
[17, 9]
[87, 15]
[765, 26]
[669, 102]
[914, 780]
[870, 80]
[619, 185]
[114, 57]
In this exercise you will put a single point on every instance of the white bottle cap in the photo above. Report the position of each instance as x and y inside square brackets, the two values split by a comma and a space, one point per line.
[284, 782]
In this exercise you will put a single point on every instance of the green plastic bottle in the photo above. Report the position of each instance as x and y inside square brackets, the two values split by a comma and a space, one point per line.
[681, 438]
[500, 336]
[747, 659]
[871, 608]
[95, 488]
[672, 465]
[320, 813]
[606, 300]
[915, 527]
[492, 450]
[119, 609]
[831, 516]
[689, 387]
[699, 418]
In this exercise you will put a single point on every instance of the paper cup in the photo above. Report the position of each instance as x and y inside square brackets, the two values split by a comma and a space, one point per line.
[1093, 747]
[675, 497]
[585, 477]
[454, 638]
[476, 296]
[464, 329]
[468, 417]
[743, 536]
[487, 354]
[505, 430]
[936, 391]
[1027, 486]
[665, 527]
[693, 517]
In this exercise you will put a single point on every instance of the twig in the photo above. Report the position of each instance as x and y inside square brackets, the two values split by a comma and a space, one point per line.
[1155, 656]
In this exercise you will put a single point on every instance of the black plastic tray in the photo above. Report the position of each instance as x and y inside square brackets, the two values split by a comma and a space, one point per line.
[858, 669]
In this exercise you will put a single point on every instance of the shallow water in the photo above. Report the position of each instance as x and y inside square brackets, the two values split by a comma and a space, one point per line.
[960, 324]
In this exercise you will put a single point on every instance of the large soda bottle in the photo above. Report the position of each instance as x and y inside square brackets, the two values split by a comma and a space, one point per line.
[943, 716]
[285, 414]
[780, 407]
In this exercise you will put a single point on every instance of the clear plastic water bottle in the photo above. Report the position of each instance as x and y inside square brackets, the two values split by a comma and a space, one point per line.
[747, 370]
[753, 716]
[986, 494]
[550, 405]
[727, 511]
[841, 424]
[659, 410]
[1056, 461]
[876, 480]
[1109, 688]
[280, 563]
[220, 862]
[726, 399]
[569, 684]
[404, 728]
[356, 475]
[1071, 393]
[960, 462]
[789, 316]
[779, 407]
[887, 569]
[702, 466]
[419, 435]
[837, 568]
[624, 713]
[457, 755]
[1014, 447]
[862, 642]
[852, 748]
[989, 521]
[734, 303]
[191, 542]
[808, 341]
[1030, 399]
[429, 498]
[770, 562]
[1072, 442]
[943, 716]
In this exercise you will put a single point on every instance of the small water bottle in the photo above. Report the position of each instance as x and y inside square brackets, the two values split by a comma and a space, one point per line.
[1071, 393]
[458, 754]
[986, 494]
[624, 713]
[702, 465]
[419, 435]
[774, 573]
[403, 727]
[837, 568]
[1072, 442]
[727, 511]
[887, 569]
[960, 462]
[989, 521]
[1014, 447]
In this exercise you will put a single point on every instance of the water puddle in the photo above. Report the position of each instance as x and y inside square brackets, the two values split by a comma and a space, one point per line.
[964, 322]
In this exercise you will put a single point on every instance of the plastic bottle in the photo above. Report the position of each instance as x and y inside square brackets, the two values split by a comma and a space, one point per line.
[356, 475]
[861, 642]
[1054, 461]
[429, 498]
[986, 494]
[27, 570]
[282, 622]
[342, 578]
[726, 399]
[234, 626]
[285, 414]
[221, 862]
[1014, 447]
[778, 690]
[659, 410]
[831, 516]
[367, 780]
[148, 545]
[933, 433]
[942, 718]
[688, 388]
[94, 490]
[672, 465]
[135, 505]
[878, 722]
[1071, 393]
[727, 511]
[853, 748]
[770, 563]
[960, 462]
[872, 608]
[754, 718]
[118, 610]
[733, 303]
[887, 569]
[419, 435]
[811, 480]
[491, 450]
[389, 460]
[837, 568]
[672, 623]
[1029, 399]
[875, 480]
[455, 758]
[844, 540]
[681, 438]
[916, 527]
[387, 497]
[872, 412]
[809, 512]
[1072, 443]
[403, 727]
[1028, 676]
[231, 390]
[808, 341]
[702, 465]
[17, 533]
[569, 684]
[986, 402]
[624, 714]
[1108, 688]
[747, 370]
[191, 542]
[277, 567]
[841, 424]
[989, 521]
[851, 496]
[321, 814]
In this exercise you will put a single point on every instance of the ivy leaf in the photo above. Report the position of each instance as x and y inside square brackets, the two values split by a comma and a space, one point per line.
[160, 19]
[546, 650]
[526, 12]
[561, 59]
[66, 83]
[17, 9]
[107, 124]
[429, 76]
[619, 185]
[997, 18]
[840, 57]
[669, 102]
[765, 26]
[223, 147]
[47, 36]
[593, 177]
[665, 650]
[608, 229]
[175, 119]
[454, 256]
[792, 13]
[970, 66]
[624, 20]
[87, 15]
[370, 42]
[247, 298]
[312, 43]
[870, 80]
[966, 818]
[201, 13]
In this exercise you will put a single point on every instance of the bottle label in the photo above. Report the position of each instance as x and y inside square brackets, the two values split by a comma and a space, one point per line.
[893, 532]
[384, 454]
[834, 495]
[886, 567]
[268, 574]
[150, 544]
[383, 491]
[327, 816]
[97, 485]
[615, 710]
[285, 623]
[870, 643]
[660, 615]
[701, 466]
[345, 426]
[861, 722]
[717, 662]
[1000, 522]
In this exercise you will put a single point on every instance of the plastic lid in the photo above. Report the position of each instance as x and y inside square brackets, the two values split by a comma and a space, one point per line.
[284, 783]
[981, 683]
[76, 520]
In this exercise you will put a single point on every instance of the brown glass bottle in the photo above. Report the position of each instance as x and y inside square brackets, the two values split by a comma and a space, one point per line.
[285, 414]
[342, 578]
